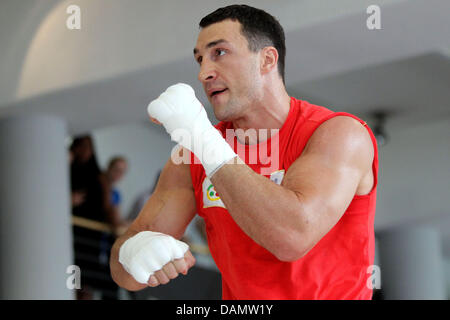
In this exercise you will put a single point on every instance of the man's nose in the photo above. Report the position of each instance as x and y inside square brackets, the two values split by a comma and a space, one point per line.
[207, 72]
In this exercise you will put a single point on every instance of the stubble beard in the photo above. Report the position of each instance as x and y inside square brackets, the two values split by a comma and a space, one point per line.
[235, 107]
[226, 111]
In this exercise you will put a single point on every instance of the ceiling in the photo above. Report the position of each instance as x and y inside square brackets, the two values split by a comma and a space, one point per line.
[411, 90]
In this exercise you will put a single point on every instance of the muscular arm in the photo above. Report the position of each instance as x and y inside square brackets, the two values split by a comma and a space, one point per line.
[289, 219]
[169, 210]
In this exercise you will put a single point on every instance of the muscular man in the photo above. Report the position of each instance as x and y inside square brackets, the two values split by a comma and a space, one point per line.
[297, 227]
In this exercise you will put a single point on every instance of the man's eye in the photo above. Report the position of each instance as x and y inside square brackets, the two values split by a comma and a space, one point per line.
[220, 52]
[199, 60]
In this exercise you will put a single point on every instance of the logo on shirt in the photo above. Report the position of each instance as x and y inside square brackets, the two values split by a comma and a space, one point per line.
[211, 197]
[212, 194]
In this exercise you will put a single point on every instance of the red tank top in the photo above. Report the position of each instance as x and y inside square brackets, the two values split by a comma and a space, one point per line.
[337, 267]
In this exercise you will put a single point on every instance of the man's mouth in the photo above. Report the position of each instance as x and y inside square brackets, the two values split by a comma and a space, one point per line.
[218, 92]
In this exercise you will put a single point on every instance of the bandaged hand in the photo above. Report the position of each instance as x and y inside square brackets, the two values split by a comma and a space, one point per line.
[187, 123]
[153, 258]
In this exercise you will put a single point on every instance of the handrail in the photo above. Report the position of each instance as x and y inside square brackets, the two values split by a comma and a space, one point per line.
[91, 224]
[103, 227]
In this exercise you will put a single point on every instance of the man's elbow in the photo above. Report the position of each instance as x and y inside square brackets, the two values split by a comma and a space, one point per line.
[291, 251]
[289, 256]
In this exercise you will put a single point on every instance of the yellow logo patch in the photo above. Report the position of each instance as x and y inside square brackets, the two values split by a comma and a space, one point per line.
[210, 196]
[212, 199]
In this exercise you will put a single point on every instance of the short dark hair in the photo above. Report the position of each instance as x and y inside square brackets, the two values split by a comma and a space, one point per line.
[259, 28]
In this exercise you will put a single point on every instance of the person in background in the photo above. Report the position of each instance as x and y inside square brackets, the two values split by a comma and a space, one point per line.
[76, 197]
[86, 198]
[86, 191]
[114, 173]
[94, 197]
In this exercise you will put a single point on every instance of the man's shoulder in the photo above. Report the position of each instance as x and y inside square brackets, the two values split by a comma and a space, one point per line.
[320, 115]
[310, 111]
[318, 121]
[344, 123]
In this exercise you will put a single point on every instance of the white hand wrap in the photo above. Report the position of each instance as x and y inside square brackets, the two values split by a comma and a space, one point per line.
[185, 119]
[147, 252]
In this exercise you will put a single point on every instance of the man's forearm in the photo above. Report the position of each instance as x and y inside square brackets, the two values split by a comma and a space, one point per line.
[268, 213]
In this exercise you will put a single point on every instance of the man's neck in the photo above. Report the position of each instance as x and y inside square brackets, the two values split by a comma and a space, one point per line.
[270, 112]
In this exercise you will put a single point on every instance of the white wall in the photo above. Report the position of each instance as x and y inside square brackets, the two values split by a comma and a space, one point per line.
[147, 149]
[414, 182]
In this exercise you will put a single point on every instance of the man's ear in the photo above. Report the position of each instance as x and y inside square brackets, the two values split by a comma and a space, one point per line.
[269, 59]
